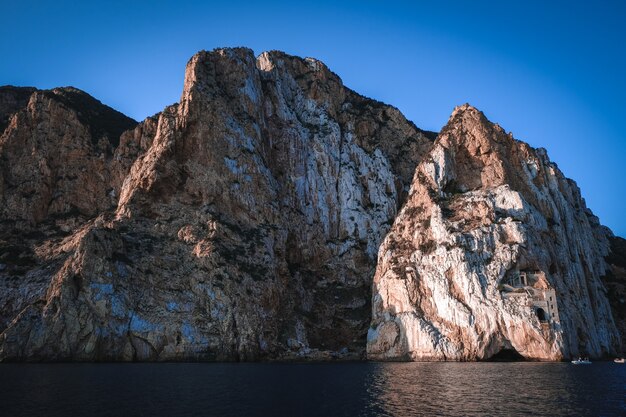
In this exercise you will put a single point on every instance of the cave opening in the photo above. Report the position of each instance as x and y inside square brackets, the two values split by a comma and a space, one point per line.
[507, 355]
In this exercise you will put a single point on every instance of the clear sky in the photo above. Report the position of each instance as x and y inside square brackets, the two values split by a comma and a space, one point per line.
[552, 72]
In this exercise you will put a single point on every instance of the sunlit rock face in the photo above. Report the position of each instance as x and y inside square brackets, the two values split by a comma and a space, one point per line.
[242, 223]
[275, 214]
[493, 251]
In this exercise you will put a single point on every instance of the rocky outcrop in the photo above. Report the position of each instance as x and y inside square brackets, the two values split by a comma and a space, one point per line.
[493, 252]
[55, 162]
[56, 152]
[12, 99]
[245, 222]
[246, 228]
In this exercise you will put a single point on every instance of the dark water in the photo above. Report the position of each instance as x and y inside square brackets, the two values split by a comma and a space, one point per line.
[323, 389]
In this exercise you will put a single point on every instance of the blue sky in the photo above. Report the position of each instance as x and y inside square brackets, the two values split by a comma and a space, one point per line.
[552, 72]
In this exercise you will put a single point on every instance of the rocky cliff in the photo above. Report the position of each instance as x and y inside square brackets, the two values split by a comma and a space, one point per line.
[56, 149]
[615, 282]
[494, 253]
[55, 161]
[247, 226]
[245, 222]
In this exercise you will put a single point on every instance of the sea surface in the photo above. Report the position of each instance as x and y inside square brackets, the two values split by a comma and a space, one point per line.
[313, 389]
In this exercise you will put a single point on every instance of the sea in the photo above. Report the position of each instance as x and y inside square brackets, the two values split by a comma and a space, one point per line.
[313, 389]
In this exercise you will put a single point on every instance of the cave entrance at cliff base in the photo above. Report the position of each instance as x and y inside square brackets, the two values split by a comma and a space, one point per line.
[506, 355]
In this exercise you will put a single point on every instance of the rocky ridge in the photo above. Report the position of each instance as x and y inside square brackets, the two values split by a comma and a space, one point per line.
[245, 223]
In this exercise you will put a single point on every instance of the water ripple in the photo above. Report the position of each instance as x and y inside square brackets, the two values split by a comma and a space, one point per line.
[324, 389]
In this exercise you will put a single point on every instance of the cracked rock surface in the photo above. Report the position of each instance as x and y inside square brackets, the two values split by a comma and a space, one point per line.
[273, 213]
[484, 207]
[241, 223]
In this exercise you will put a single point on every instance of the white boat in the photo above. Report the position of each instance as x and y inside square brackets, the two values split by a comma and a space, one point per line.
[581, 361]
[618, 360]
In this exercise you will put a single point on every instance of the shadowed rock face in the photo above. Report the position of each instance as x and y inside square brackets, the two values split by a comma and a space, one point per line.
[245, 222]
[483, 209]
[56, 154]
[12, 99]
[247, 226]
[56, 164]
[615, 282]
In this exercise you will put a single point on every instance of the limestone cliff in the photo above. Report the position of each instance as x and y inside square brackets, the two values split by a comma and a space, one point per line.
[55, 161]
[493, 252]
[246, 221]
[247, 227]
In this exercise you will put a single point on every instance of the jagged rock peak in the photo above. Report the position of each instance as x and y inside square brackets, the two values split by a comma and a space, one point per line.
[265, 61]
[56, 150]
[247, 226]
[102, 120]
[205, 66]
[468, 112]
[493, 252]
[466, 107]
[206, 69]
[469, 117]
[12, 99]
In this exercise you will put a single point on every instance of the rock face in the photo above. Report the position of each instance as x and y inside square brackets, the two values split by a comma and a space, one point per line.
[56, 153]
[615, 281]
[55, 158]
[247, 227]
[245, 222]
[493, 253]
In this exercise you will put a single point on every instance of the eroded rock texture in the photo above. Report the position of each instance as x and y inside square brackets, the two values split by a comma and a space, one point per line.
[247, 222]
[615, 281]
[494, 251]
[55, 158]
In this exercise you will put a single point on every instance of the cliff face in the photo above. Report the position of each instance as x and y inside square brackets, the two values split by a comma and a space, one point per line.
[493, 252]
[55, 161]
[246, 221]
[615, 282]
[247, 226]
[56, 154]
